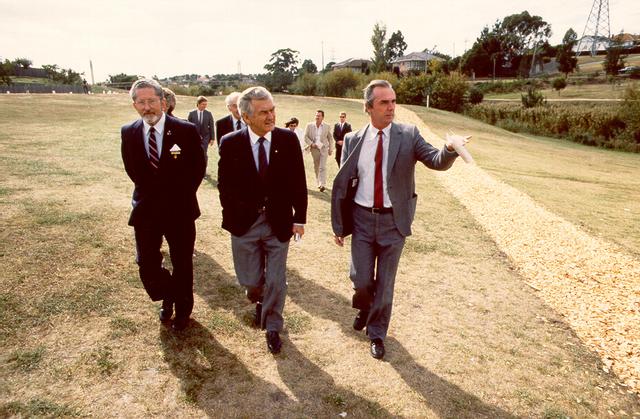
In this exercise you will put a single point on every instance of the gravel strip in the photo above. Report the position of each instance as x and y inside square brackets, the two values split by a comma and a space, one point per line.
[594, 284]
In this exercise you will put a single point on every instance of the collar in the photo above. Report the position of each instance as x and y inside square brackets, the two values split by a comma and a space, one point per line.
[254, 137]
[374, 131]
[159, 126]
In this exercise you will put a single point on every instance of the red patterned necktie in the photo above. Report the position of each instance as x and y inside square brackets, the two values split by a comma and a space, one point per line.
[238, 125]
[154, 159]
[378, 196]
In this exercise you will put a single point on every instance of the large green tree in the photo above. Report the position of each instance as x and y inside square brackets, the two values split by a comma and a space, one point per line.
[282, 69]
[565, 57]
[308, 67]
[395, 47]
[385, 51]
[506, 44]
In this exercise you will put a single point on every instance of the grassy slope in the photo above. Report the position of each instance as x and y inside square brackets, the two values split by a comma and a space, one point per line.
[596, 189]
[468, 338]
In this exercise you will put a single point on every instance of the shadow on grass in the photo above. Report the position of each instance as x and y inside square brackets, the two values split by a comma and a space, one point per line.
[444, 398]
[315, 390]
[322, 196]
[205, 369]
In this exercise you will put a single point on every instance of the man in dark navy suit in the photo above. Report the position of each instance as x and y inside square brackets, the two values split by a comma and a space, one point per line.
[163, 157]
[231, 122]
[340, 129]
[263, 192]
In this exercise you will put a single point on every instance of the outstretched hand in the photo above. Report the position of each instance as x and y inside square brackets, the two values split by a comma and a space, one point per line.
[457, 143]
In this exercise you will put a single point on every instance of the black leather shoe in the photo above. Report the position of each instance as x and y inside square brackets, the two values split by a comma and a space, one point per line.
[180, 323]
[377, 348]
[257, 317]
[361, 320]
[166, 312]
[273, 342]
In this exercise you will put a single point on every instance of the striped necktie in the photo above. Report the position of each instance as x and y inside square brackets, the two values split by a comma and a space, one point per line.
[154, 158]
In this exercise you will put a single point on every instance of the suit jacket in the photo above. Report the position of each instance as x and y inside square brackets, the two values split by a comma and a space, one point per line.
[169, 193]
[205, 129]
[406, 147]
[338, 134]
[223, 127]
[310, 136]
[243, 194]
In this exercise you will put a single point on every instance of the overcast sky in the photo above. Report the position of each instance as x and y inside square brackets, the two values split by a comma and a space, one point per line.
[167, 38]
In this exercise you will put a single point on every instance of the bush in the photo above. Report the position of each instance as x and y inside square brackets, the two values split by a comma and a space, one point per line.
[337, 83]
[603, 125]
[558, 84]
[475, 95]
[448, 92]
[306, 84]
[413, 90]
[532, 99]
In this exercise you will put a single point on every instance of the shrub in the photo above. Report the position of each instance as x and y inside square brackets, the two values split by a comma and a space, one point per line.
[603, 125]
[413, 90]
[306, 84]
[337, 83]
[448, 91]
[475, 95]
[559, 83]
[532, 99]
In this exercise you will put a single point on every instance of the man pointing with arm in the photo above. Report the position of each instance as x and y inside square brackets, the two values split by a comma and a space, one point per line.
[373, 198]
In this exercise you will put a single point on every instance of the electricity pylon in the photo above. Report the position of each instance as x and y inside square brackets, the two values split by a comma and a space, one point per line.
[597, 30]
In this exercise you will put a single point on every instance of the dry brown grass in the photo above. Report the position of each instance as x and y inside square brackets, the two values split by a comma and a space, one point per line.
[468, 337]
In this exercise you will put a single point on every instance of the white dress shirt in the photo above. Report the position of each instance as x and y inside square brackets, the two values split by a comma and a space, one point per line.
[367, 166]
[255, 145]
[159, 127]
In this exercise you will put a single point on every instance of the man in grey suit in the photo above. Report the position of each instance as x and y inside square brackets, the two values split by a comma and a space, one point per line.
[373, 198]
[203, 120]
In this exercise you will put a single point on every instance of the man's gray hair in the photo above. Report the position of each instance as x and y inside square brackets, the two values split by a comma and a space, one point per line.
[252, 93]
[231, 98]
[368, 91]
[144, 84]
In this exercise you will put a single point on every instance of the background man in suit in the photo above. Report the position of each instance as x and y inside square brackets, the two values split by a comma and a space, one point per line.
[203, 120]
[373, 198]
[263, 192]
[340, 129]
[317, 135]
[163, 158]
[231, 122]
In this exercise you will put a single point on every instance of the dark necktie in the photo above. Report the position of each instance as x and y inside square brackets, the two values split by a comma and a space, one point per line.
[378, 196]
[153, 149]
[238, 124]
[262, 159]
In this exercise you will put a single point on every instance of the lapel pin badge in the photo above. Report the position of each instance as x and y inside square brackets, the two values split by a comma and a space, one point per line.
[168, 133]
[175, 150]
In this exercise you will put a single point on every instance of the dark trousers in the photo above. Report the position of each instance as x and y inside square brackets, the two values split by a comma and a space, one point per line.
[176, 287]
[338, 153]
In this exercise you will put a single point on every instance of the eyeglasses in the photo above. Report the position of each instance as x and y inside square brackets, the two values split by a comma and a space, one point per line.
[150, 102]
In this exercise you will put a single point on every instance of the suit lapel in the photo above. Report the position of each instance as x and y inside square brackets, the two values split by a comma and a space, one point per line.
[395, 135]
[248, 153]
[167, 140]
[354, 153]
